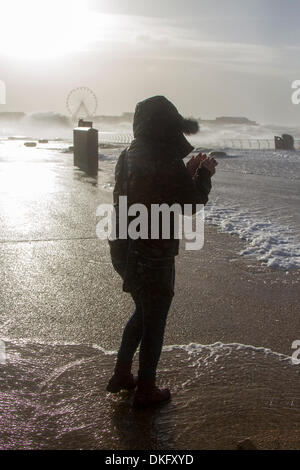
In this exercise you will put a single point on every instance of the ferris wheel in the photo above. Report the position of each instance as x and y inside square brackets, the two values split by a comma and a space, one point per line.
[81, 103]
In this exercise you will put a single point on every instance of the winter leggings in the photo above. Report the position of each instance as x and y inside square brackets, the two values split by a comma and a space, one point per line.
[152, 294]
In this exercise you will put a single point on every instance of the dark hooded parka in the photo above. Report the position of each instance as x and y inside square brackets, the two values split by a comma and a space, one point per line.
[152, 171]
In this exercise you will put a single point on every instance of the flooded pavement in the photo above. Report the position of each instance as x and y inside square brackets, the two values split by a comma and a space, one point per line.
[62, 313]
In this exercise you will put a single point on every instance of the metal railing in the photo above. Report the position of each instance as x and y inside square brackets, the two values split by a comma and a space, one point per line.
[265, 144]
[115, 138]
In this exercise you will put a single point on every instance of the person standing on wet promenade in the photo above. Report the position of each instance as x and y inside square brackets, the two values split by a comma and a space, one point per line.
[151, 171]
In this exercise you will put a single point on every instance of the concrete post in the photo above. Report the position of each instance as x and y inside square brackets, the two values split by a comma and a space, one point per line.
[86, 148]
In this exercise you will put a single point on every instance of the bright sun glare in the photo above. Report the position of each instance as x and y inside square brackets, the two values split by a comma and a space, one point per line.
[43, 28]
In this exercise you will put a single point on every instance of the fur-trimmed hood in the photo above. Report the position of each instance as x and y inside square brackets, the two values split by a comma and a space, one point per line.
[156, 119]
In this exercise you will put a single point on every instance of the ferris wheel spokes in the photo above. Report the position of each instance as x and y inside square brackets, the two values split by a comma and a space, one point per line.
[81, 103]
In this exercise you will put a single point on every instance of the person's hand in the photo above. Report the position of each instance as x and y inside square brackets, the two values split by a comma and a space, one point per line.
[210, 164]
[194, 163]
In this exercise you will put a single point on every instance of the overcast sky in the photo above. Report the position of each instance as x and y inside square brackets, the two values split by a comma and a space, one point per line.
[210, 57]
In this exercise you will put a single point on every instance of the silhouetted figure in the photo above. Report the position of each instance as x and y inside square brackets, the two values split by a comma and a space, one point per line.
[151, 171]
